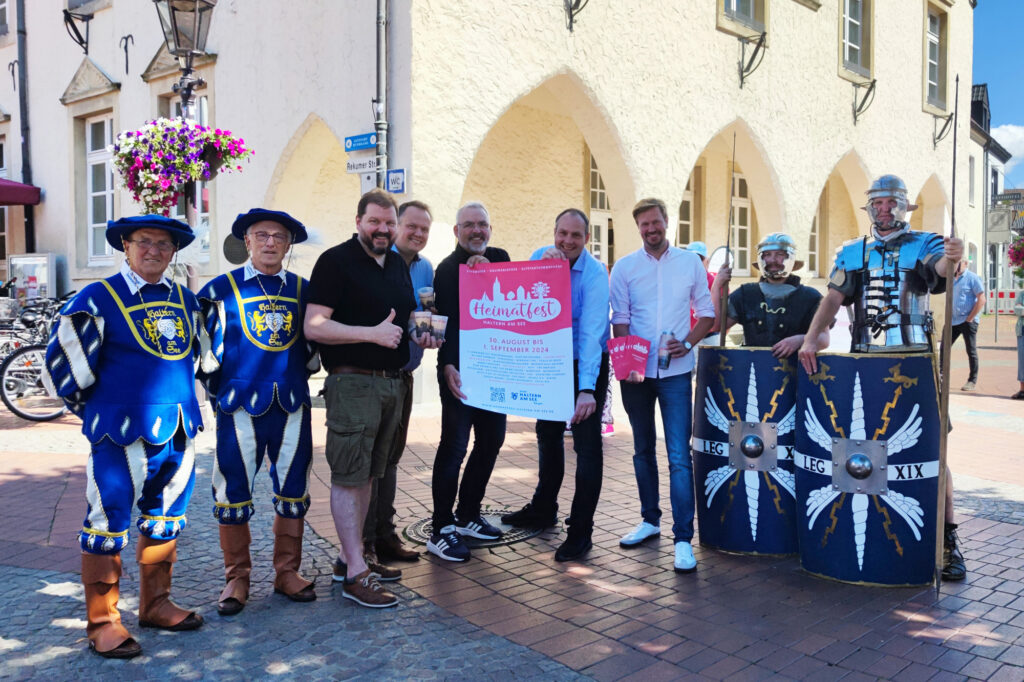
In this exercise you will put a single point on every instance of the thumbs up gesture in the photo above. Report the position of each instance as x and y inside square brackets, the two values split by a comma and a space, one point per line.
[387, 333]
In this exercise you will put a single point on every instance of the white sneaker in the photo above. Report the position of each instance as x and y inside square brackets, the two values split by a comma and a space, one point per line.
[642, 532]
[685, 561]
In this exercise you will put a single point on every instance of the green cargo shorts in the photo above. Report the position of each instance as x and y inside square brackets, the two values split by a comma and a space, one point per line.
[364, 416]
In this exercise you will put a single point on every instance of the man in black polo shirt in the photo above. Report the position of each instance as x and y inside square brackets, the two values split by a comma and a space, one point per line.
[473, 230]
[360, 299]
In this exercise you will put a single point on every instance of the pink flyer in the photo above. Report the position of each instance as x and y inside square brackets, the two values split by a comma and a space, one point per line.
[515, 340]
[628, 354]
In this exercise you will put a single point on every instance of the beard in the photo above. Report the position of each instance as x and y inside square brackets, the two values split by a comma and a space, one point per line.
[368, 242]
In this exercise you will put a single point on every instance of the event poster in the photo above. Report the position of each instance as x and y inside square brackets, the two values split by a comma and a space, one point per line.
[515, 340]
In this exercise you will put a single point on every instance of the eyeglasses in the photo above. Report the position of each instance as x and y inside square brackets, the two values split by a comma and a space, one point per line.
[146, 245]
[277, 237]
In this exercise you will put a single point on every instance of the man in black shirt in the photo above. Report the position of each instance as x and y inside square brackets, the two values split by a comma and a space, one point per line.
[360, 299]
[473, 230]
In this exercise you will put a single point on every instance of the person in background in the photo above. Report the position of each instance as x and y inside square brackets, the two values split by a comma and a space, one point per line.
[968, 301]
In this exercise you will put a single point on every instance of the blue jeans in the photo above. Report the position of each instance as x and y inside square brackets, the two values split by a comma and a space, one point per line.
[673, 396]
[457, 419]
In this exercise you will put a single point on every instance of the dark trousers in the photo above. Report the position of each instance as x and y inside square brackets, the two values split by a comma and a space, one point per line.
[587, 442]
[380, 516]
[970, 333]
[457, 419]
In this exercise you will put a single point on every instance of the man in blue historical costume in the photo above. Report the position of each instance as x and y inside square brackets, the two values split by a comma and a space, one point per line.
[777, 310]
[122, 356]
[256, 369]
[886, 278]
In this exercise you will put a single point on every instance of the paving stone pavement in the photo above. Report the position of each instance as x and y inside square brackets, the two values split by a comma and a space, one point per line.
[43, 637]
[514, 613]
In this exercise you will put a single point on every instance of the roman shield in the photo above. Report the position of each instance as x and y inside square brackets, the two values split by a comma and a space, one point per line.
[743, 439]
[867, 468]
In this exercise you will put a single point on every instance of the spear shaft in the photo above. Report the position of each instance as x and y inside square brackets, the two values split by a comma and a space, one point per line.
[723, 302]
[947, 337]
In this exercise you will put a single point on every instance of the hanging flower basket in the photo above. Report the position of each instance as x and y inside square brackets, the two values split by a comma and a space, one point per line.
[155, 161]
[1016, 256]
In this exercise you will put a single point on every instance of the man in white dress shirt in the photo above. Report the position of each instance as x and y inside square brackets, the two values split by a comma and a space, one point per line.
[652, 292]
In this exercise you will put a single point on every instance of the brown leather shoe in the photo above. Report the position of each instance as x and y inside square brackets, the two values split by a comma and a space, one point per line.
[287, 557]
[234, 542]
[392, 549]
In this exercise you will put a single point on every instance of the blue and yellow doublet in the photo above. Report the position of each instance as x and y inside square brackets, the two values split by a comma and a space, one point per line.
[256, 368]
[123, 359]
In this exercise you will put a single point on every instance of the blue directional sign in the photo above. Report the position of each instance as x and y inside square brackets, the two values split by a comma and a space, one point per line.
[364, 141]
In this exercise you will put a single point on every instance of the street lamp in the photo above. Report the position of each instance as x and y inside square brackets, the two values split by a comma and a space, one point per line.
[185, 24]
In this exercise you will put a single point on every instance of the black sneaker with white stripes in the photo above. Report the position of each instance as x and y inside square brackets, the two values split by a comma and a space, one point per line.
[477, 528]
[448, 545]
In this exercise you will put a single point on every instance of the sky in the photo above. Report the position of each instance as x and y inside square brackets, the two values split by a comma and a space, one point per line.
[999, 61]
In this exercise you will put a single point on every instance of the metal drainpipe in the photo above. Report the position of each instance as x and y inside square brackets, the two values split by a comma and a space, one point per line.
[381, 102]
[26, 156]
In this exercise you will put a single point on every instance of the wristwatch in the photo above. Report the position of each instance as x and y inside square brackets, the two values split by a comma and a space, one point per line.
[687, 345]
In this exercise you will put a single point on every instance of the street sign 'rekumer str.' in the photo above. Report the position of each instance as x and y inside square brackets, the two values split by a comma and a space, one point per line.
[357, 142]
[366, 164]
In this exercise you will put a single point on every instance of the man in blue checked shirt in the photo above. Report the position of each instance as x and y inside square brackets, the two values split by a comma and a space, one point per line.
[589, 280]
[968, 300]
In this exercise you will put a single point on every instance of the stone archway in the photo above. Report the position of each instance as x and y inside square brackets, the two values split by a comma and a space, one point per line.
[310, 183]
[839, 216]
[757, 208]
[534, 162]
[932, 214]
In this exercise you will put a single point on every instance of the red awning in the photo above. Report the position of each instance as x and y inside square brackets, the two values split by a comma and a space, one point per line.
[17, 194]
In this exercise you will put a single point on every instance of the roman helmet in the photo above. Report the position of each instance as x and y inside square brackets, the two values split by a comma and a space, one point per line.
[777, 241]
[889, 186]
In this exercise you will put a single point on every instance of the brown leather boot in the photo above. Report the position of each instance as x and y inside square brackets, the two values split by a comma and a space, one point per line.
[287, 557]
[156, 610]
[101, 575]
[234, 542]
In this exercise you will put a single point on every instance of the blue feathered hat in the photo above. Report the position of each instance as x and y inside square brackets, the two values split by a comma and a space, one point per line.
[181, 234]
[244, 220]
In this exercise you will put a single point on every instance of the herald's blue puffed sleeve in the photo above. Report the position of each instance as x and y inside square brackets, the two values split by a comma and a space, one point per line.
[72, 354]
[211, 334]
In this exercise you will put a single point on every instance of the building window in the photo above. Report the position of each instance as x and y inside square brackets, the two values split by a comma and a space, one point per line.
[856, 36]
[750, 13]
[970, 180]
[741, 215]
[201, 115]
[684, 235]
[601, 233]
[995, 183]
[4, 29]
[598, 195]
[935, 39]
[99, 178]
[814, 245]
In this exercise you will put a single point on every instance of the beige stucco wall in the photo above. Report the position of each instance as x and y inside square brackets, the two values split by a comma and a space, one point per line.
[662, 79]
[484, 92]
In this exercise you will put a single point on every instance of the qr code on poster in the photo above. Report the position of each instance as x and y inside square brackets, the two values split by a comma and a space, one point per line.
[497, 395]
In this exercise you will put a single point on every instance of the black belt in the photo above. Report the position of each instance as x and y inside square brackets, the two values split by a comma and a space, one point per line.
[383, 373]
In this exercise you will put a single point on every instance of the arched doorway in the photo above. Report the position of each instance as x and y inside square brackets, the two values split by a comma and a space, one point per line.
[552, 149]
[751, 193]
[311, 184]
[838, 217]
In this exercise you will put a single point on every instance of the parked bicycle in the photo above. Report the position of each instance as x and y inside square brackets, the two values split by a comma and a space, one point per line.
[25, 385]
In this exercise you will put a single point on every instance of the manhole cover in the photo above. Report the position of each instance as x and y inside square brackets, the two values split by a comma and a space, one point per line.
[419, 531]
